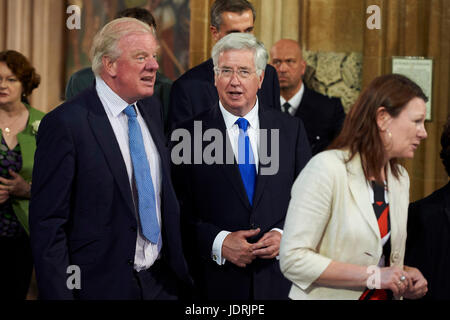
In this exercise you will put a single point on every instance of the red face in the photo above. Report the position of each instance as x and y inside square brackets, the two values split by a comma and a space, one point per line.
[10, 86]
[406, 130]
[238, 93]
[134, 72]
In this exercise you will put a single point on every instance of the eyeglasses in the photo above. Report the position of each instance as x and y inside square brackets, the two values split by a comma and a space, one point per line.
[228, 72]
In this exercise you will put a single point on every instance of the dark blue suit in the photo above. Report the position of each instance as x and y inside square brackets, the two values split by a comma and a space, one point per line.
[81, 209]
[213, 198]
[323, 118]
[195, 92]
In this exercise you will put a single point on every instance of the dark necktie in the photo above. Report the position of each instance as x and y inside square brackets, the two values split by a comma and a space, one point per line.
[246, 160]
[141, 171]
[286, 106]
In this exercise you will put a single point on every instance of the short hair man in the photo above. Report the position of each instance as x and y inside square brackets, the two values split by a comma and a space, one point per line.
[322, 116]
[85, 78]
[235, 210]
[102, 198]
[194, 91]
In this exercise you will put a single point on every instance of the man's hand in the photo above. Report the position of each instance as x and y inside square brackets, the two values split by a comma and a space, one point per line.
[237, 250]
[419, 284]
[268, 247]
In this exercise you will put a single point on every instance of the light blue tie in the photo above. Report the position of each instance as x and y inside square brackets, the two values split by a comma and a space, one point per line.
[142, 176]
[246, 160]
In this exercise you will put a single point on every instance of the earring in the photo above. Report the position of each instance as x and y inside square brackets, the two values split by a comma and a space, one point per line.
[389, 133]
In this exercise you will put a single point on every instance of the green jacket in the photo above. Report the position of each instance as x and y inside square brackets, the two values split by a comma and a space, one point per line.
[27, 142]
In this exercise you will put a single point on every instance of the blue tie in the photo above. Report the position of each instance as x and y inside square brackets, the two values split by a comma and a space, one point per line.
[246, 160]
[143, 179]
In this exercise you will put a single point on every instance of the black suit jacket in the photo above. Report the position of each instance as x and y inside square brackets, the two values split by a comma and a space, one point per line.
[195, 92]
[81, 208]
[428, 242]
[323, 118]
[213, 198]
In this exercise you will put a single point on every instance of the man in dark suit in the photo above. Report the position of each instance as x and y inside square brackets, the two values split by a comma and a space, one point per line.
[84, 78]
[194, 92]
[428, 241]
[322, 116]
[234, 208]
[104, 219]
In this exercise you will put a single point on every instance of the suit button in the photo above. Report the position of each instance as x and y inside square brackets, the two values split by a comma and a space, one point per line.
[130, 262]
[395, 256]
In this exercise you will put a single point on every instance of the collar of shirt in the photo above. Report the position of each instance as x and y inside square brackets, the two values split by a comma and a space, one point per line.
[253, 130]
[251, 117]
[114, 104]
[295, 100]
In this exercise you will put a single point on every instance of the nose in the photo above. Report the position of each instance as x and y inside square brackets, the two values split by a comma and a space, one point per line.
[152, 64]
[423, 132]
[234, 80]
[282, 67]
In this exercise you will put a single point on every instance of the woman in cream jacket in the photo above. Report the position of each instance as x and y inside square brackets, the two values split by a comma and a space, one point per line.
[334, 246]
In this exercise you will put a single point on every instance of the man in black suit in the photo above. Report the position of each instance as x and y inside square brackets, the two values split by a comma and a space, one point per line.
[428, 241]
[194, 91]
[84, 78]
[322, 116]
[234, 200]
[104, 219]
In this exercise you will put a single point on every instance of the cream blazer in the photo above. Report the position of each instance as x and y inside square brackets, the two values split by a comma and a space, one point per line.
[330, 217]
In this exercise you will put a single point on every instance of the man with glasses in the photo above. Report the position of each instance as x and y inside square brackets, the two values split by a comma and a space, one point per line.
[234, 211]
[194, 91]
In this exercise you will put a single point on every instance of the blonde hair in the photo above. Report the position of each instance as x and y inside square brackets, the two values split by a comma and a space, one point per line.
[106, 40]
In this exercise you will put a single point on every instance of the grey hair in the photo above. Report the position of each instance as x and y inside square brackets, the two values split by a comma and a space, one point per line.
[107, 39]
[242, 41]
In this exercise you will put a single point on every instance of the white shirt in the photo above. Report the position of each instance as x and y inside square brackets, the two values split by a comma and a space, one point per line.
[233, 133]
[294, 101]
[146, 252]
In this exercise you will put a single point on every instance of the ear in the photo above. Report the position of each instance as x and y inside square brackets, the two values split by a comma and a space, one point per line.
[303, 67]
[214, 33]
[109, 66]
[261, 79]
[383, 118]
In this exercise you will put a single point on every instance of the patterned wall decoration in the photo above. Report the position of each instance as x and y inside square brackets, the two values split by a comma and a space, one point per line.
[172, 18]
[334, 74]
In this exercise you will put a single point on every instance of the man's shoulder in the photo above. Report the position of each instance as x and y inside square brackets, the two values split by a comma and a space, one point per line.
[437, 198]
[77, 106]
[201, 72]
[314, 95]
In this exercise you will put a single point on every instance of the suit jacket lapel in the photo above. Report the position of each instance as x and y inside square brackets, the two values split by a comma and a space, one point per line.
[101, 127]
[264, 123]
[360, 192]
[230, 171]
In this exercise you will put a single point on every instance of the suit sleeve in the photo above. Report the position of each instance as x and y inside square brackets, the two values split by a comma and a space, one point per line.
[50, 202]
[339, 117]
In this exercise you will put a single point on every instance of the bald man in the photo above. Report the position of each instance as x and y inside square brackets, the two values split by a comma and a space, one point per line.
[322, 116]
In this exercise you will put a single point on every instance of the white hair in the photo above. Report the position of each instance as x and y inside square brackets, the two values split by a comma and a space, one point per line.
[106, 40]
[242, 41]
